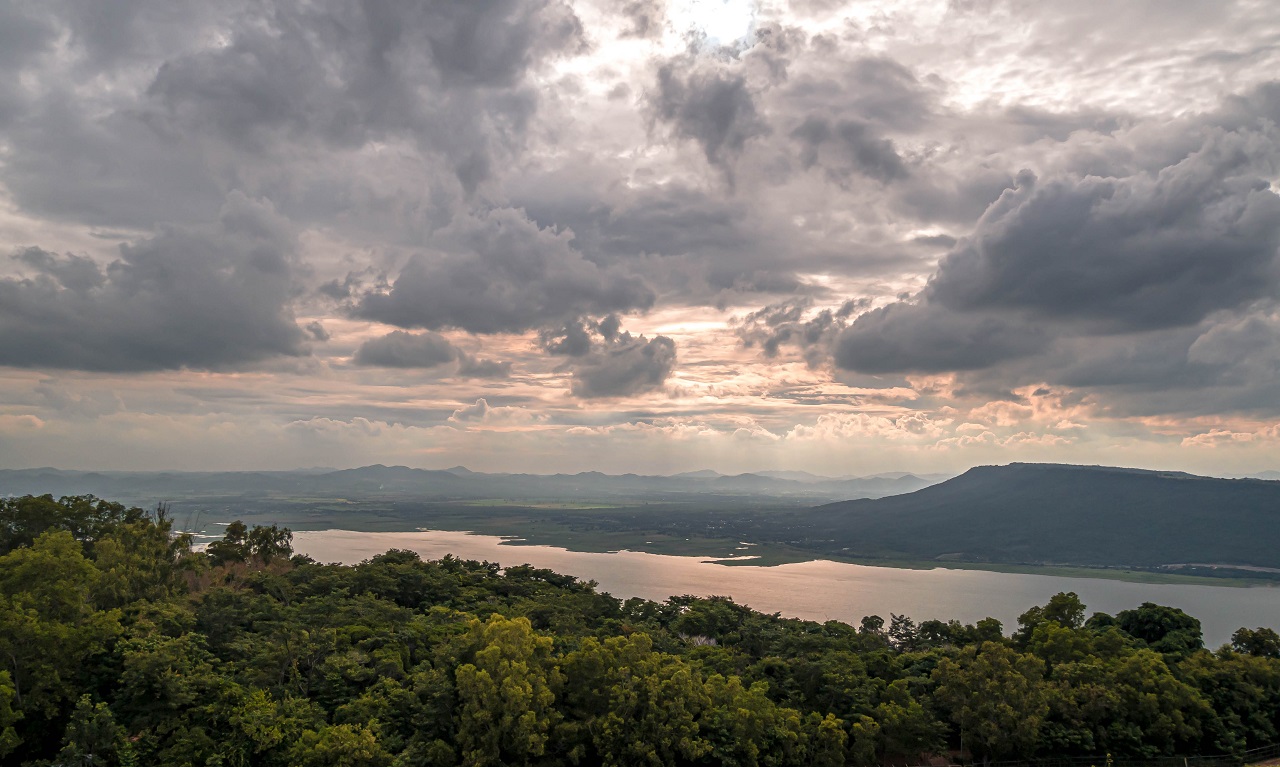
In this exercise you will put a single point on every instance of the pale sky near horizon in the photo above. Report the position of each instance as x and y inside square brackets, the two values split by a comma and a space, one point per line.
[538, 235]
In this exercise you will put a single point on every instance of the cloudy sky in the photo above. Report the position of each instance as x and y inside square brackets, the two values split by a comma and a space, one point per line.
[541, 235]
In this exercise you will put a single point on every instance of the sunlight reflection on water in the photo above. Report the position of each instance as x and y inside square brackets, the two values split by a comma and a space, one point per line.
[820, 590]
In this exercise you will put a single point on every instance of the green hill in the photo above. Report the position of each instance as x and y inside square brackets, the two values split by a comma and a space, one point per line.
[1085, 515]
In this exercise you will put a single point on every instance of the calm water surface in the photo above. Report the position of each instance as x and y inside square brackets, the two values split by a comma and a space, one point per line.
[821, 590]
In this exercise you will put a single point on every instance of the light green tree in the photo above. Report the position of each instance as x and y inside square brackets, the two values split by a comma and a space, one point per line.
[506, 703]
[9, 739]
[342, 745]
[48, 626]
[638, 706]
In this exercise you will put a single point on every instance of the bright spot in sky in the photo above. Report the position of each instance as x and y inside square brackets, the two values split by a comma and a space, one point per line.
[723, 21]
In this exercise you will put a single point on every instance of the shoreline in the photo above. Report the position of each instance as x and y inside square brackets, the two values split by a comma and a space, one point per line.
[764, 555]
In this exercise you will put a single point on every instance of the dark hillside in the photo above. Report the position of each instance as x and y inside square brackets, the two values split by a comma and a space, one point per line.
[1090, 515]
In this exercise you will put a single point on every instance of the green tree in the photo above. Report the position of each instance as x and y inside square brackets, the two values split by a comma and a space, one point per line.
[744, 728]
[997, 698]
[907, 729]
[829, 741]
[342, 745]
[636, 706]
[1259, 642]
[1157, 714]
[92, 735]
[86, 518]
[506, 703]
[170, 692]
[48, 626]
[1055, 643]
[1064, 609]
[139, 561]
[9, 739]
[903, 633]
[270, 543]
[1164, 629]
[262, 729]
[232, 547]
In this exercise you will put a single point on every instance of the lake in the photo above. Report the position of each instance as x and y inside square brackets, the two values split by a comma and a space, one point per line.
[821, 590]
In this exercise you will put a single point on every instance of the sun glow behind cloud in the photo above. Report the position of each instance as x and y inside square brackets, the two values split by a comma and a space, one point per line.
[724, 22]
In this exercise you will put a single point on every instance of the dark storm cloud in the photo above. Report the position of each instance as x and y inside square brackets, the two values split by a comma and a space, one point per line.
[24, 32]
[111, 171]
[572, 340]
[476, 367]
[399, 349]
[624, 366]
[887, 93]
[337, 68]
[131, 31]
[877, 91]
[1147, 361]
[245, 97]
[1123, 254]
[577, 338]
[1033, 123]
[918, 338]
[1225, 364]
[847, 147]
[671, 220]
[350, 285]
[76, 273]
[448, 74]
[709, 105]
[1144, 285]
[202, 297]
[404, 139]
[692, 245]
[1245, 110]
[502, 273]
[607, 361]
[317, 331]
[791, 323]
[952, 197]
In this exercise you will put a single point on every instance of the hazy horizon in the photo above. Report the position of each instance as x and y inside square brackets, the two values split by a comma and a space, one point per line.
[1257, 474]
[564, 235]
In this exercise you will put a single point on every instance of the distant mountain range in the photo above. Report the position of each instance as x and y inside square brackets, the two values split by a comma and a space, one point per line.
[1037, 514]
[1046, 513]
[401, 482]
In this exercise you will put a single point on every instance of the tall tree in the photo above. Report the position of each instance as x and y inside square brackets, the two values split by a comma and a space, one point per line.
[997, 698]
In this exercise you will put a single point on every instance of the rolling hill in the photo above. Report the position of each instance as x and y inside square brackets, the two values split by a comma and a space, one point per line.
[400, 482]
[1081, 515]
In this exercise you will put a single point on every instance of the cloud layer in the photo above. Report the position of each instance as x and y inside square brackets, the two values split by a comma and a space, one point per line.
[201, 296]
[931, 234]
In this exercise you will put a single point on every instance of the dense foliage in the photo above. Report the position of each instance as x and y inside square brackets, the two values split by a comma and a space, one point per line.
[121, 646]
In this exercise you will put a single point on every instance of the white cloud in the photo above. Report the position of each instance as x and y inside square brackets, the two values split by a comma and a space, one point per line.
[482, 413]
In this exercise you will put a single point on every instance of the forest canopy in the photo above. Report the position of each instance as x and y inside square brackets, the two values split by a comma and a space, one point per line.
[120, 644]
